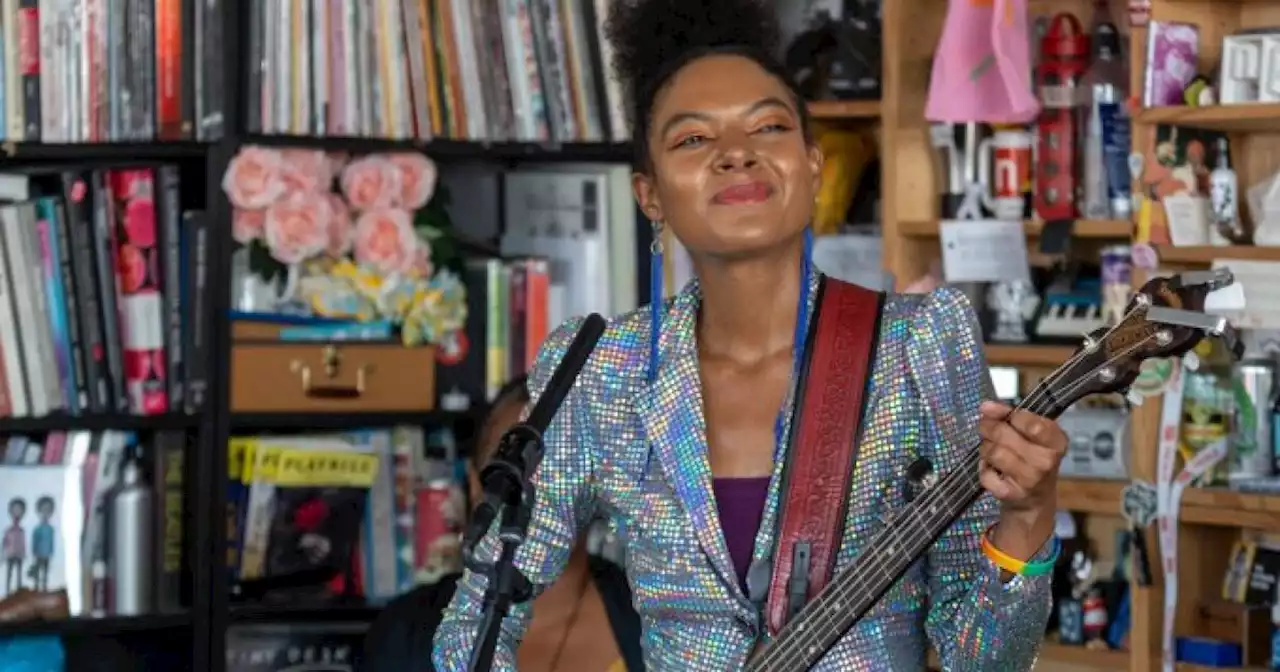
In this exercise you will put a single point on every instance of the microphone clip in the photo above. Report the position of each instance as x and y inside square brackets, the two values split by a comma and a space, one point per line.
[509, 496]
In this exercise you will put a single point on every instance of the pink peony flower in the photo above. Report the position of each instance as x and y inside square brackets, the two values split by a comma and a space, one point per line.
[417, 178]
[305, 170]
[340, 230]
[385, 239]
[247, 225]
[253, 178]
[421, 264]
[297, 227]
[371, 183]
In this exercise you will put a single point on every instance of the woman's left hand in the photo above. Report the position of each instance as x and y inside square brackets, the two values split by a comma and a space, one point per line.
[1020, 458]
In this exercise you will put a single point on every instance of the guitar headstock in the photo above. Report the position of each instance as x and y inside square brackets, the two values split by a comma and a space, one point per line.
[1165, 318]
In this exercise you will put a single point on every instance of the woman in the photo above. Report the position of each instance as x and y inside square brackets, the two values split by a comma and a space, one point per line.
[585, 621]
[676, 427]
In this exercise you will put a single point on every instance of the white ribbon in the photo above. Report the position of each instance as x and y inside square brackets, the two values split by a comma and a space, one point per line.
[1169, 498]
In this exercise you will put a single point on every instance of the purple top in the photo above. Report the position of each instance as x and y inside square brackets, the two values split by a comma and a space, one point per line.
[740, 502]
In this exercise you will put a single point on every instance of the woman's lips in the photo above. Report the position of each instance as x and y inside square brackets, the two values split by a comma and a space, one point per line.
[752, 192]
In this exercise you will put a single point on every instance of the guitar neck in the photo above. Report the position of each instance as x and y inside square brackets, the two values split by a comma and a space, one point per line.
[856, 588]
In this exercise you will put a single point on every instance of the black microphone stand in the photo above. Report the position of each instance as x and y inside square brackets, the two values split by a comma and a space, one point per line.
[507, 481]
[513, 493]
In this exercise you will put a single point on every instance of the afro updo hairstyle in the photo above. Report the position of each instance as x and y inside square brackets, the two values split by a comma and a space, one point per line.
[654, 39]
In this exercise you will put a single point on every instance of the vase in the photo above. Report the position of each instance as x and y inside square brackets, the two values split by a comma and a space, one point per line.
[253, 293]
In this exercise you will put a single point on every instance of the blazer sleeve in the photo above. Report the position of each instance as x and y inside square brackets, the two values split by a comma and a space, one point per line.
[564, 501]
[975, 621]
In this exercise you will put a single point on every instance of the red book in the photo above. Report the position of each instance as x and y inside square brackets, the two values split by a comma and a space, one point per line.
[138, 281]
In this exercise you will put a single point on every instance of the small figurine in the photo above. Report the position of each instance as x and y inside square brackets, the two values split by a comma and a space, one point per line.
[1094, 619]
[1014, 302]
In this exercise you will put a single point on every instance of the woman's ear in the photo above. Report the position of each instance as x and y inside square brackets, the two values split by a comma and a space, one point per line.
[646, 196]
[816, 160]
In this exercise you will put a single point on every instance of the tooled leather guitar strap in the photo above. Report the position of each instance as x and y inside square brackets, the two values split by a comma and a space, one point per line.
[819, 470]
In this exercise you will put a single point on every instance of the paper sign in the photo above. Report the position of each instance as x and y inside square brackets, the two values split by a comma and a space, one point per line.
[984, 250]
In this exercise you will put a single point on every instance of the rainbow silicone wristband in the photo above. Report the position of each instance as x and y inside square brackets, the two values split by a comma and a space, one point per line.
[1015, 566]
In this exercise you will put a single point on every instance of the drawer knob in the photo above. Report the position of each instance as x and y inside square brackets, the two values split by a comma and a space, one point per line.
[331, 360]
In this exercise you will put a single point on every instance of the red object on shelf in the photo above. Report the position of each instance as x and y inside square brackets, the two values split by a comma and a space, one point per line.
[1064, 57]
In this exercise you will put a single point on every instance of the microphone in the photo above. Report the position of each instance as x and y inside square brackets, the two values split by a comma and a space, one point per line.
[505, 478]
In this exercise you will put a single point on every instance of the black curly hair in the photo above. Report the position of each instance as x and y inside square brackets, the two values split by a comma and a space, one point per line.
[515, 390]
[653, 39]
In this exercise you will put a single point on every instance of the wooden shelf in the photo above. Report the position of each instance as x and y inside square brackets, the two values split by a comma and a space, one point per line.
[844, 109]
[1090, 495]
[1079, 655]
[1047, 356]
[1193, 667]
[1243, 118]
[1206, 254]
[1084, 228]
[1203, 506]
[1228, 508]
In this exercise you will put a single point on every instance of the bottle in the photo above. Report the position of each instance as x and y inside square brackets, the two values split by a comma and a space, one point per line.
[129, 527]
[1105, 143]
[1224, 190]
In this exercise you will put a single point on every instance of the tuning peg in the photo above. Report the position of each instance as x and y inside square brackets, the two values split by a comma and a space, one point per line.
[1134, 397]
[1191, 360]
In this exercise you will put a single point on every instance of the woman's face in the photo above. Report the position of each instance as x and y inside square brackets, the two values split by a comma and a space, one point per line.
[732, 174]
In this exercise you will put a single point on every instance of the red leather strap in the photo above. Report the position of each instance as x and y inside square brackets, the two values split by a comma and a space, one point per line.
[824, 437]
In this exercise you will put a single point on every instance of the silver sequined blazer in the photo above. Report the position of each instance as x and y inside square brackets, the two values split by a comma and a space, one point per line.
[635, 453]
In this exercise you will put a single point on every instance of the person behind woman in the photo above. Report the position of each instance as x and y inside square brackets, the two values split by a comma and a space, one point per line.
[676, 428]
[585, 621]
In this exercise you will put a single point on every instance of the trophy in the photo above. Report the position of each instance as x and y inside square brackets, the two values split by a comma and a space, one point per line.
[1013, 302]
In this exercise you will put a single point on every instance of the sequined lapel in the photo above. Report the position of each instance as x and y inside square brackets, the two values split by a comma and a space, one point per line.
[671, 411]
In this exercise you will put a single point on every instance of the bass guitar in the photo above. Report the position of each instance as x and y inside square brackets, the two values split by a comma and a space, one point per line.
[1164, 319]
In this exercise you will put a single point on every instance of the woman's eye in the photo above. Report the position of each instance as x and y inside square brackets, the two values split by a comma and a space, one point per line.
[691, 141]
[772, 128]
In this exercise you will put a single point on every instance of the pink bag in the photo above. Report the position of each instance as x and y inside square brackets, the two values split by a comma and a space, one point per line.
[982, 69]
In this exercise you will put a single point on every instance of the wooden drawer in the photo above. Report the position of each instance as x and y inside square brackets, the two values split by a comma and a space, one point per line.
[331, 378]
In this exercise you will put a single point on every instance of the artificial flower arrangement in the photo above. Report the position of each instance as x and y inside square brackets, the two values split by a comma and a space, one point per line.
[362, 251]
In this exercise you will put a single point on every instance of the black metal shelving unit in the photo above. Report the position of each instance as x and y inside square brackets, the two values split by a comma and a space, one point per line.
[211, 611]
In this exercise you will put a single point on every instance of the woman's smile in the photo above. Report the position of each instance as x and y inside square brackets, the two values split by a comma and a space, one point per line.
[750, 193]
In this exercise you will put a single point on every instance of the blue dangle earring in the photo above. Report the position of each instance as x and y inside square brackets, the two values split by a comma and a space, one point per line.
[656, 302]
[656, 296]
[808, 253]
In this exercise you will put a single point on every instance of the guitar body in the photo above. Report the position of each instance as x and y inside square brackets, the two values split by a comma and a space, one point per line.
[1164, 319]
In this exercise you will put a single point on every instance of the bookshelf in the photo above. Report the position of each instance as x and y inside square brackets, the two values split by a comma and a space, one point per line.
[210, 611]
[1210, 518]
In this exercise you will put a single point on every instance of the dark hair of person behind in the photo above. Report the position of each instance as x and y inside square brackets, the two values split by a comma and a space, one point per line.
[515, 390]
[653, 39]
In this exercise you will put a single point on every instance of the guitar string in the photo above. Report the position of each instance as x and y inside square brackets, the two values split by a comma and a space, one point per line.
[950, 488]
[947, 493]
[947, 487]
[826, 629]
